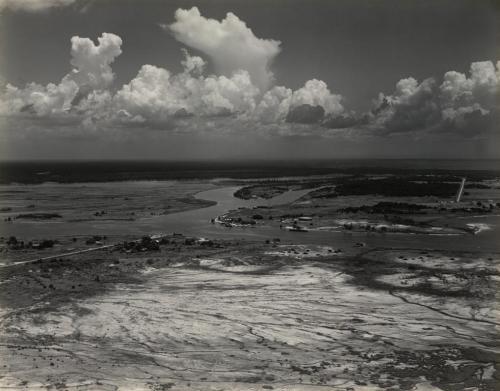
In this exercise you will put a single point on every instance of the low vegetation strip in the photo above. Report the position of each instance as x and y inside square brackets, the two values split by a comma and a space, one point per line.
[39, 216]
[396, 187]
[352, 185]
[258, 191]
[387, 207]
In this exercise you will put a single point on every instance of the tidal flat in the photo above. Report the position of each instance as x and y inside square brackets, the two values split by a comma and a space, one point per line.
[171, 297]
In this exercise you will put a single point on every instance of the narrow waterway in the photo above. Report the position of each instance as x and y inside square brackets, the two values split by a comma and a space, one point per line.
[197, 222]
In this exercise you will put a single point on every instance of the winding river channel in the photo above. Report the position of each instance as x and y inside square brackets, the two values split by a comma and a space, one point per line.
[197, 222]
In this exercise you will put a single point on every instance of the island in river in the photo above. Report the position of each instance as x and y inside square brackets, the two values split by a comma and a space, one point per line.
[204, 283]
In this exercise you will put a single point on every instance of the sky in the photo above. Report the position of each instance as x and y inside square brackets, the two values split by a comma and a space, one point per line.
[267, 79]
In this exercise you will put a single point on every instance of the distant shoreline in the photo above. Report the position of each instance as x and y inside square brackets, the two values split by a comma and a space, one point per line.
[35, 172]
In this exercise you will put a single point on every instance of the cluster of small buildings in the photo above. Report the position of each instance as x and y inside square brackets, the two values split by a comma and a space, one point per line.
[297, 224]
[96, 240]
[375, 227]
[153, 243]
[13, 243]
[230, 222]
[146, 243]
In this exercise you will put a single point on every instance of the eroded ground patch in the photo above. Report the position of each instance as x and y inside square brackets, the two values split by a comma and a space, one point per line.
[243, 315]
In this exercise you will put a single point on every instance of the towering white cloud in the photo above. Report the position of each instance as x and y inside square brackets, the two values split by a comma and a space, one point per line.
[156, 94]
[230, 44]
[33, 5]
[240, 94]
[461, 94]
[91, 62]
[91, 71]
[471, 105]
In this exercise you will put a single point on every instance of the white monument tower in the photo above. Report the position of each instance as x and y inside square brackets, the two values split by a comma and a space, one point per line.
[460, 191]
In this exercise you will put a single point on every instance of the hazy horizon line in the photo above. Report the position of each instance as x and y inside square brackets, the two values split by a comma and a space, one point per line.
[231, 159]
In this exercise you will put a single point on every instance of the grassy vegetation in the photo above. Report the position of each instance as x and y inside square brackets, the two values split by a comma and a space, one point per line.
[396, 187]
[387, 207]
[39, 216]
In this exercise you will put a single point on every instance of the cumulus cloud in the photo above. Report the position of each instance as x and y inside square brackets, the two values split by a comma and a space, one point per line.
[91, 72]
[158, 98]
[36, 99]
[230, 44]
[305, 114]
[471, 101]
[158, 95]
[412, 106]
[33, 5]
[274, 105]
[316, 93]
[300, 106]
[346, 120]
[193, 64]
[481, 86]
[94, 108]
[240, 96]
[91, 62]
[461, 104]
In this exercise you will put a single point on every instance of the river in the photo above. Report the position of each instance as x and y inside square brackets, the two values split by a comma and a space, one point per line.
[197, 222]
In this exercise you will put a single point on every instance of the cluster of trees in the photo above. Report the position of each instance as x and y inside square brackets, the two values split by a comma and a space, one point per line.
[396, 187]
[263, 191]
[39, 216]
[16, 244]
[386, 207]
[145, 244]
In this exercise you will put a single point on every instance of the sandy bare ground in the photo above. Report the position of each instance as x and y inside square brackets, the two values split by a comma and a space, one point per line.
[251, 317]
